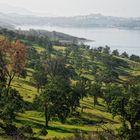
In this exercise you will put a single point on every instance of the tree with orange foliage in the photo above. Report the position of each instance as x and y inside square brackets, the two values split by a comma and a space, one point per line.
[17, 62]
[4, 45]
[14, 56]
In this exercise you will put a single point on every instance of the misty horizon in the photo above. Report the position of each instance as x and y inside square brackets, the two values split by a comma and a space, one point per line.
[67, 8]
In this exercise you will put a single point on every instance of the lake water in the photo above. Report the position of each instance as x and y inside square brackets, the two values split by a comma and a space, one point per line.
[123, 40]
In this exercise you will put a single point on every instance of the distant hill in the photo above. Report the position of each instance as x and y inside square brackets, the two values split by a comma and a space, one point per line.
[87, 21]
[53, 36]
[9, 9]
[57, 36]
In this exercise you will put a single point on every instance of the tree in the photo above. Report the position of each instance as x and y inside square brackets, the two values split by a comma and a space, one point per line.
[126, 106]
[79, 61]
[2, 70]
[109, 76]
[56, 99]
[106, 50]
[112, 91]
[124, 55]
[115, 52]
[56, 66]
[96, 91]
[110, 73]
[10, 104]
[135, 58]
[14, 56]
[83, 86]
[4, 47]
[17, 60]
[40, 77]
[128, 109]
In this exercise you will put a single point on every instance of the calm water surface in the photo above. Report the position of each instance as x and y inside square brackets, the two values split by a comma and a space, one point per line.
[123, 40]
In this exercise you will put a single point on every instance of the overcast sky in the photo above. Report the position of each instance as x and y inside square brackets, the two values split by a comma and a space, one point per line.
[123, 8]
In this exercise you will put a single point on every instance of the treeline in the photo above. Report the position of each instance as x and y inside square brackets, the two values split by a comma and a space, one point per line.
[61, 69]
[28, 39]
[41, 37]
[12, 63]
[132, 57]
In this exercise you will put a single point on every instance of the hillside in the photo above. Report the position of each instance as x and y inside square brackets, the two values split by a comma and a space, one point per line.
[87, 75]
[85, 21]
[53, 36]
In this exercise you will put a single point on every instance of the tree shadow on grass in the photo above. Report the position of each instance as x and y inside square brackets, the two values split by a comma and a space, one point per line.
[100, 118]
[66, 130]
[61, 129]
[30, 122]
[17, 86]
[87, 105]
[39, 125]
[99, 106]
[88, 118]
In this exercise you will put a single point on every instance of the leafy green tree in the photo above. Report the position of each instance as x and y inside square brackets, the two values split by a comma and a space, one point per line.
[95, 54]
[56, 66]
[109, 76]
[110, 72]
[112, 91]
[83, 84]
[96, 91]
[106, 50]
[10, 104]
[40, 79]
[135, 58]
[115, 52]
[128, 108]
[78, 61]
[124, 55]
[39, 76]
[56, 99]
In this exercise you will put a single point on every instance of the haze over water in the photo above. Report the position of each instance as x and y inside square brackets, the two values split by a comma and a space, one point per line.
[123, 40]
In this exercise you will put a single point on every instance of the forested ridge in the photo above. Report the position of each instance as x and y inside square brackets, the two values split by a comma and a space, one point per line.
[54, 90]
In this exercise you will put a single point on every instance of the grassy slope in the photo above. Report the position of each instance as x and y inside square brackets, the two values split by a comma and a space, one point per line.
[37, 121]
[90, 114]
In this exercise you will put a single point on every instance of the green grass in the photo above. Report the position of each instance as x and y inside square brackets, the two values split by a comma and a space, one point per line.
[25, 87]
[36, 119]
[39, 49]
[90, 117]
[59, 48]
[57, 129]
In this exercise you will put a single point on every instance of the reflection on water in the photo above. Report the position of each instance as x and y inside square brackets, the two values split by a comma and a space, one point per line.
[123, 40]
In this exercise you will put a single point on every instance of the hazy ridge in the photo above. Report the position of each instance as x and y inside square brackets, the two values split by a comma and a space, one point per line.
[86, 21]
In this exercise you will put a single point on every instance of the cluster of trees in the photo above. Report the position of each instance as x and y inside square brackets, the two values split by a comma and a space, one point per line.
[124, 100]
[28, 39]
[63, 79]
[106, 49]
[122, 97]
[132, 57]
[12, 63]
[59, 97]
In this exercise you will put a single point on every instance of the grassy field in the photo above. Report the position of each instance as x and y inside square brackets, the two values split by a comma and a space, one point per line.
[90, 119]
